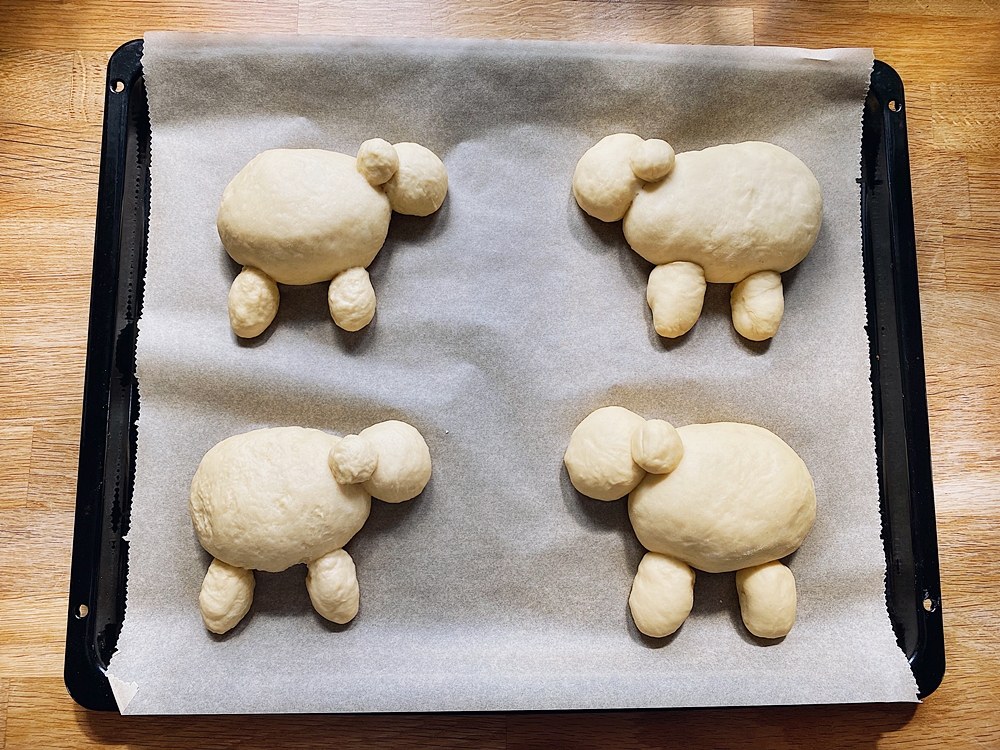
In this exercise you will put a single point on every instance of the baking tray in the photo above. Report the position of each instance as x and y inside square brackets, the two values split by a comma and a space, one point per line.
[111, 395]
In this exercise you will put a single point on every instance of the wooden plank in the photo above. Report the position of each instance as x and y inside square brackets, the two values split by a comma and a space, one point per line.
[959, 8]
[54, 451]
[80, 25]
[15, 464]
[528, 19]
[919, 47]
[68, 726]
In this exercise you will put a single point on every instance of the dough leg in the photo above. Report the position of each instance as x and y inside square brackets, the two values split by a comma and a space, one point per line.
[226, 595]
[758, 304]
[767, 599]
[352, 299]
[662, 594]
[332, 583]
[676, 293]
[253, 302]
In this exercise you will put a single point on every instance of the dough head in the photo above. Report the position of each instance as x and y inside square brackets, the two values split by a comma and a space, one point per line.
[604, 184]
[404, 461]
[599, 455]
[419, 186]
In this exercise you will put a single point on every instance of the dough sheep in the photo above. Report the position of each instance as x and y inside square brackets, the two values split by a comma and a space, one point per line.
[273, 498]
[733, 214]
[302, 216]
[717, 497]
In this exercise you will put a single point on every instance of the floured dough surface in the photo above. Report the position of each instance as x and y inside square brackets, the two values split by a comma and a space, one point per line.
[739, 497]
[302, 215]
[734, 209]
[267, 500]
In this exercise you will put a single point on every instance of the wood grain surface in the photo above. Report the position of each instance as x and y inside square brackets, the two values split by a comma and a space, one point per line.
[52, 66]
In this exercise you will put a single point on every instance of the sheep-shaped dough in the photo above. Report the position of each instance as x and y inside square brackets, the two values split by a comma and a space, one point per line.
[733, 214]
[273, 498]
[717, 497]
[302, 216]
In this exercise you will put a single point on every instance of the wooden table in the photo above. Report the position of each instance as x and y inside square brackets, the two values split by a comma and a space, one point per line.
[52, 68]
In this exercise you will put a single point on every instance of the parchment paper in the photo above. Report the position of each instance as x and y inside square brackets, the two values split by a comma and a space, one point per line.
[502, 321]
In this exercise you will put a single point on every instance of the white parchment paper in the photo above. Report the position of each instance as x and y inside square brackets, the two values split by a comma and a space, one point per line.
[502, 321]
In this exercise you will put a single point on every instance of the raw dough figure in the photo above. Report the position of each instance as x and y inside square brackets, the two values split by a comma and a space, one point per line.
[301, 216]
[273, 498]
[733, 214]
[716, 497]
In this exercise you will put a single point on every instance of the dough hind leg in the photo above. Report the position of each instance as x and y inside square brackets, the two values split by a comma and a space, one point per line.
[332, 583]
[767, 599]
[676, 293]
[758, 304]
[352, 299]
[253, 302]
[226, 595]
[662, 594]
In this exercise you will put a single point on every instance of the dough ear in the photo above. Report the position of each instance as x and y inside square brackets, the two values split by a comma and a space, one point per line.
[657, 447]
[652, 160]
[353, 460]
[377, 161]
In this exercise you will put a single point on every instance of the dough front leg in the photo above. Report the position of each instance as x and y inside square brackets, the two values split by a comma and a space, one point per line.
[767, 599]
[226, 595]
[662, 594]
[352, 299]
[758, 304]
[332, 583]
[253, 302]
[676, 293]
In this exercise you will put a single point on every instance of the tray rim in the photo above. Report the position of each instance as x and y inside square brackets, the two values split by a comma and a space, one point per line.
[84, 671]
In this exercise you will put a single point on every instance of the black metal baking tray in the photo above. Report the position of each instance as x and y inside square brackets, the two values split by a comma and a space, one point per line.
[111, 397]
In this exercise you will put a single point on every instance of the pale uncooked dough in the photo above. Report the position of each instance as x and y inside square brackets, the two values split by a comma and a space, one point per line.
[717, 497]
[733, 210]
[272, 498]
[352, 299]
[599, 455]
[420, 184]
[226, 595]
[767, 599]
[253, 302]
[377, 161]
[758, 305]
[604, 183]
[662, 595]
[404, 465]
[302, 216]
[675, 293]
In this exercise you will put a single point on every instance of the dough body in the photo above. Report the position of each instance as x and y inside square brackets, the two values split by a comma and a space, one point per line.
[599, 455]
[739, 497]
[302, 215]
[733, 209]
[266, 500]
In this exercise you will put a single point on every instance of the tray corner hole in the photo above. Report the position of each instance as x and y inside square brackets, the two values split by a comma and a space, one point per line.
[895, 106]
[930, 605]
[118, 86]
[82, 611]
